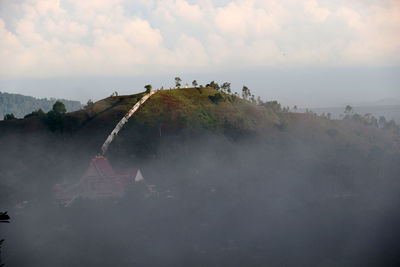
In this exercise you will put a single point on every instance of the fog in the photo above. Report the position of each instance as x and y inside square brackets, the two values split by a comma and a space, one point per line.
[259, 200]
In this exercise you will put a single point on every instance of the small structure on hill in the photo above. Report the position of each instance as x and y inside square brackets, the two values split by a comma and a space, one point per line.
[100, 181]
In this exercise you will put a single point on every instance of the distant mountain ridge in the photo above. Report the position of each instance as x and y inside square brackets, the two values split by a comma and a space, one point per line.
[21, 105]
[381, 102]
[388, 111]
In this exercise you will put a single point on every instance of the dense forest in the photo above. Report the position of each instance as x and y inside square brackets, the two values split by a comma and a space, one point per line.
[20, 105]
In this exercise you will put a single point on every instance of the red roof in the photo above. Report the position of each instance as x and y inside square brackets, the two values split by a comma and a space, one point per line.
[100, 181]
[100, 166]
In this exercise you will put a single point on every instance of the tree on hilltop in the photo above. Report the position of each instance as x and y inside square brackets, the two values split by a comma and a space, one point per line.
[246, 92]
[148, 88]
[55, 117]
[214, 85]
[59, 107]
[36, 113]
[348, 110]
[89, 104]
[178, 82]
[226, 87]
[194, 83]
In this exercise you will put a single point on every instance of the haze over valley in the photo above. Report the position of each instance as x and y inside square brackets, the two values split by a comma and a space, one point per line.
[199, 133]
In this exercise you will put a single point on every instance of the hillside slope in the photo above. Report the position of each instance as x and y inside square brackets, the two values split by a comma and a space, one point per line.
[175, 117]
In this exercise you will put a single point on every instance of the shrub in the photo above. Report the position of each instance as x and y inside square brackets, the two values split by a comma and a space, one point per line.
[36, 113]
[216, 98]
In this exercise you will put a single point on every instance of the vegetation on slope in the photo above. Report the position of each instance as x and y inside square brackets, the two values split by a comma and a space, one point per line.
[171, 118]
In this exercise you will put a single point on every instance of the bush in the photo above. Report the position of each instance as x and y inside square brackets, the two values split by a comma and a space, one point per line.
[216, 98]
[273, 106]
[89, 104]
[36, 113]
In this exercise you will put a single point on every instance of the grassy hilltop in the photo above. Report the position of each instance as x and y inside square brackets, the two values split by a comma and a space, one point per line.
[179, 115]
[169, 120]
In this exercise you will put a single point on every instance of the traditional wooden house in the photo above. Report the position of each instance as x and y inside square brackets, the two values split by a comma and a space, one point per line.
[100, 181]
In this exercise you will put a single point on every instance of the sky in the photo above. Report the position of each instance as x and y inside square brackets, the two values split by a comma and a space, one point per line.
[305, 52]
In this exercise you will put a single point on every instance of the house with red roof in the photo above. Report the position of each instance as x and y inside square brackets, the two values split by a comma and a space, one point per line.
[100, 181]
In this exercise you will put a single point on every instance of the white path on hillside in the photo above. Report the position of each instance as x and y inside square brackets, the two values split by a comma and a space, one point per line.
[121, 123]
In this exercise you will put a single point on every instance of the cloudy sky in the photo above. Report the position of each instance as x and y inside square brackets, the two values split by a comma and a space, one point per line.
[82, 49]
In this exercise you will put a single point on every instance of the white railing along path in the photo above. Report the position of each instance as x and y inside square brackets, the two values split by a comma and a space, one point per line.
[121, 123]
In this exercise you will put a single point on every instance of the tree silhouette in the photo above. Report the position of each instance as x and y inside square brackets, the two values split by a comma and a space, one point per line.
[9, 117]
[148, 88]
[36, 113]
[178, 82]
[89, 104]
[59, 107]
[214, 85]
[348, 111]
[226, 87]
[246, 92]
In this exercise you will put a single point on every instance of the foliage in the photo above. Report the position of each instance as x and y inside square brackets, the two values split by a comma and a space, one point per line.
[178, 82]
[226, 87]
[194, 83]
[59, 107]
[36, 113]
[348, 111]
[148, 88]
[245, 92]
[89, 104]
[273, 106]
[9, 117]
[55, 117]
[216, 98]
[214, 85]
[370, 120]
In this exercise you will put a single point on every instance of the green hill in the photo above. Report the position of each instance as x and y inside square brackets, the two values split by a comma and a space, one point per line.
[21, 105]
[171, 119]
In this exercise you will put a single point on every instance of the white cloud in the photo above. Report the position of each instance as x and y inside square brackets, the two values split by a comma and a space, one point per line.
[172, 10]
[319, 14]
[243, 19]
[106, 37]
